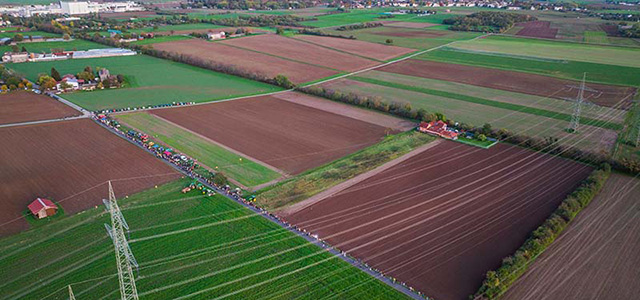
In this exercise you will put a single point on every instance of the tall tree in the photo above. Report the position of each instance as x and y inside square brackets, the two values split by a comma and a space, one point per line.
[55, 74]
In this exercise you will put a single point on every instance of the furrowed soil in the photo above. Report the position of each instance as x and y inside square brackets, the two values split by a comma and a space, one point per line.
[538, 29]
[596, 257]
[300, 51]
[604, 95]
[371, 50]
[248, 60]
[281, 133]
[440, 220]
[24, 106]
[69, 162]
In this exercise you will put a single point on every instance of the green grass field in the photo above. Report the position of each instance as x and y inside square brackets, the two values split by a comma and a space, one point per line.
[26, 34]
[609, 55]
[566, 69]
[372, 15]
[181, 27]
[477, 114]
[380, 35]
[152, 81]
[596, 37]
[161, 39]
[39, 47]
[245, 171]
[187, 245]
[314, 181]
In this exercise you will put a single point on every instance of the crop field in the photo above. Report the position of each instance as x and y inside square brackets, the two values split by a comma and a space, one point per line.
[289, 136]
[373, 15]
[439, 222]
[538, 29]
[161, 39]
[609, 55]
[215, 157]
[355, 47]
[26, 34]
[596, 256]
[610, 96]
[478, 113]
[297, 50]
[187, 245]
[260, 63]
[46, 47]
[24, 106]
[150, 81]
[566, 69]
[68, 162]
[408, 37]
[178, 29]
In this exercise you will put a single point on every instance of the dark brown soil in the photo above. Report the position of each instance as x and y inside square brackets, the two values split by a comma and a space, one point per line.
[440, 220]
[371, 50]
[22, 106]
[533, 84]
[288, 136]
[69, 162]
[538, 29]
[247, 60]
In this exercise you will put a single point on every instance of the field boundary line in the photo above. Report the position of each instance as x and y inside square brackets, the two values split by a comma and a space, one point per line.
[44, 121]
[289, 210]
[264, 164]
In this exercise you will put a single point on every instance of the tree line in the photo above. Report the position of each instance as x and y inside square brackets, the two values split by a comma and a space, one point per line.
[486, 21]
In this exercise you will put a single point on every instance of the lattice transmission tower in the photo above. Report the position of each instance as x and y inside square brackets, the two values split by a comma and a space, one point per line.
[577, 107]
[124, 257]
[71, 295]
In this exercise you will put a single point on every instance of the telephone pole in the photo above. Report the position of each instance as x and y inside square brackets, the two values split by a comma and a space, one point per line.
[577, 107]
[124, 257]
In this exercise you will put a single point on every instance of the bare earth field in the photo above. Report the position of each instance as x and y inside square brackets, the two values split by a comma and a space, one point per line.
[370, 50]
[69, 162]
[408, 24]
[300, 51]
[248, 60]
[24, 106]
[606, 95]
[286, 135]
[597, 255]
[441, 219]
[538, 29]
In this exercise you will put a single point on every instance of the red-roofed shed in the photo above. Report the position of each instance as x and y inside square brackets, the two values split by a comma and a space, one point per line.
[42, 208]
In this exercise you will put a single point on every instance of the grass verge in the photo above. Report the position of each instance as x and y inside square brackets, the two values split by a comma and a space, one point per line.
[317, 180]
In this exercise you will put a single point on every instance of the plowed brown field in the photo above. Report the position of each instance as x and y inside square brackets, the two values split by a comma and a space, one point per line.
[69, 162]
[371, 50]
[247, 60]
[538, 29]
[286, 135]
[24, 106]
[300, 51]
[443, 218]
[597, 255]
[606, 95]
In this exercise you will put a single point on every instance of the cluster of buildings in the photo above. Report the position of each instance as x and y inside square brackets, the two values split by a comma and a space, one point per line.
[498, 4]
[69, 82]
[20, 57]
[438, 128]
[71, 7]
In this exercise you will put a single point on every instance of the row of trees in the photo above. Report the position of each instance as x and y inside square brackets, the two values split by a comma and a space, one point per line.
[11, 81]
[498, 281]
[321, 33]
[359, 26]
[487, 21]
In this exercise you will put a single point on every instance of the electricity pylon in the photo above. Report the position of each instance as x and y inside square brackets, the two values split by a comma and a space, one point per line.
[124, 257]
[577, 107]
[71, 296]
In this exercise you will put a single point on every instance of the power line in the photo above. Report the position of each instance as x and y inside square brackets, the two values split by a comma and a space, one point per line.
[577, 107]
[124, 257]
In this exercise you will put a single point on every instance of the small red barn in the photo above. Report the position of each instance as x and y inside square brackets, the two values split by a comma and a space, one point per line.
[42, 208]
[438, 128]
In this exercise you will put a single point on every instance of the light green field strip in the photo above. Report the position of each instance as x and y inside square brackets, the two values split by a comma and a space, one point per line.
[476, 114]
[151, 80]
[47, 47]
[243, 170]
[596, 37]
[609, 55]
[185, 244]
[161, 39]
[544, 104]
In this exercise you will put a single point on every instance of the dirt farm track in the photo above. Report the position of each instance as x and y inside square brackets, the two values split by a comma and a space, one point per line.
[597, 255]
[69, 163]
[439, 222]
[21, 106]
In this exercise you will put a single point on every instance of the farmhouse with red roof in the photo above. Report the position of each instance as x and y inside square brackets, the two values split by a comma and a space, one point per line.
[438, 128]
[42, 208]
